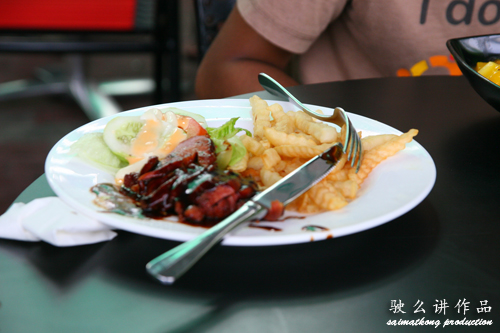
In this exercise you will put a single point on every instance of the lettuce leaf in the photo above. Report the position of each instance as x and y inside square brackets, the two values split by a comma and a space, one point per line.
[228, 147]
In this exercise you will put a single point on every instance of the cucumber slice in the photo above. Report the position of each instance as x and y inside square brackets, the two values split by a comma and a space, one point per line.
[144, 135]
[119, 133]
[92, 148]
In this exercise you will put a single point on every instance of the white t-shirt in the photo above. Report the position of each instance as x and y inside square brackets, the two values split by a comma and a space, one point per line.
[355, 39]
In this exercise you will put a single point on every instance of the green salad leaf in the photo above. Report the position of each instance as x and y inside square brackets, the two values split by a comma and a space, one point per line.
[228, 147]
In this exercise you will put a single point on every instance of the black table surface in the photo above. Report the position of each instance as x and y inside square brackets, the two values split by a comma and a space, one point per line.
[442, 257]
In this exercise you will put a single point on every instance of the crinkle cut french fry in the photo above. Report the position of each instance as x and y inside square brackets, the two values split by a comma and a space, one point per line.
[374, 156]
[252, 145]
[348, 188]
[305, 152]
[280, 166]
[306, 136]
[327, 196]
[304, 205]
[258, 103]
[293, 164]
[269, 177]
[264, 142]
[276, 111]
[255, 162]
[283, 122]
[270, 158]
[277, 138]
[372, 141]
[320, 131]
[260, 115]
[339, 175]
[291, 115]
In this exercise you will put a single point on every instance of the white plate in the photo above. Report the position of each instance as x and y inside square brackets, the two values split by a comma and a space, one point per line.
[393, 188]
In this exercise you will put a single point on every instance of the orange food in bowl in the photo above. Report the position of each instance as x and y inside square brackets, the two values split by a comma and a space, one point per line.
[490, 70]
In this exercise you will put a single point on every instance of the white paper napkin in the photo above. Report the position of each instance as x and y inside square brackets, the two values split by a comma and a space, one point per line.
[51, 220]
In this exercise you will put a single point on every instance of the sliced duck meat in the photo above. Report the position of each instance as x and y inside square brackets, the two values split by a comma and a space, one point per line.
[187, 183]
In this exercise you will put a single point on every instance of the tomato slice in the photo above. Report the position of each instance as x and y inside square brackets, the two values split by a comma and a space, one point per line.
[191, 126]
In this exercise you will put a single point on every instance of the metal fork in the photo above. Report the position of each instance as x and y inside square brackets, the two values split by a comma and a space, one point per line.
[352, 142]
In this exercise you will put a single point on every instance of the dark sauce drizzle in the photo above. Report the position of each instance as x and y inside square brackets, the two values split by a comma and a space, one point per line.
[265, 227]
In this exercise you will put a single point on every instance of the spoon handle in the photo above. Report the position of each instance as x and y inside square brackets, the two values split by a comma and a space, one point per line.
[275, 88]
[172, 264]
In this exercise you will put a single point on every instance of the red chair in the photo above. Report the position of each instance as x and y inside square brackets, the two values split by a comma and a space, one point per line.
[76, 28]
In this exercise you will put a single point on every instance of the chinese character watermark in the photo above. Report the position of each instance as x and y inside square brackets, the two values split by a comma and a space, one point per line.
[397, 307]
[441, 306]
[462, 305]
[483, 307]
[419, 308]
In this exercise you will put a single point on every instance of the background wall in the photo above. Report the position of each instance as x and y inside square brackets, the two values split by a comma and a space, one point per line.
[30, 127]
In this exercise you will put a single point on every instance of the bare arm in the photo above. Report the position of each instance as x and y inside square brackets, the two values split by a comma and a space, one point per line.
[235, 58]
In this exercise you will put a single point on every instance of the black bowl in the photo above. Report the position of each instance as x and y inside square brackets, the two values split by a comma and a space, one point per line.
[467, 51]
